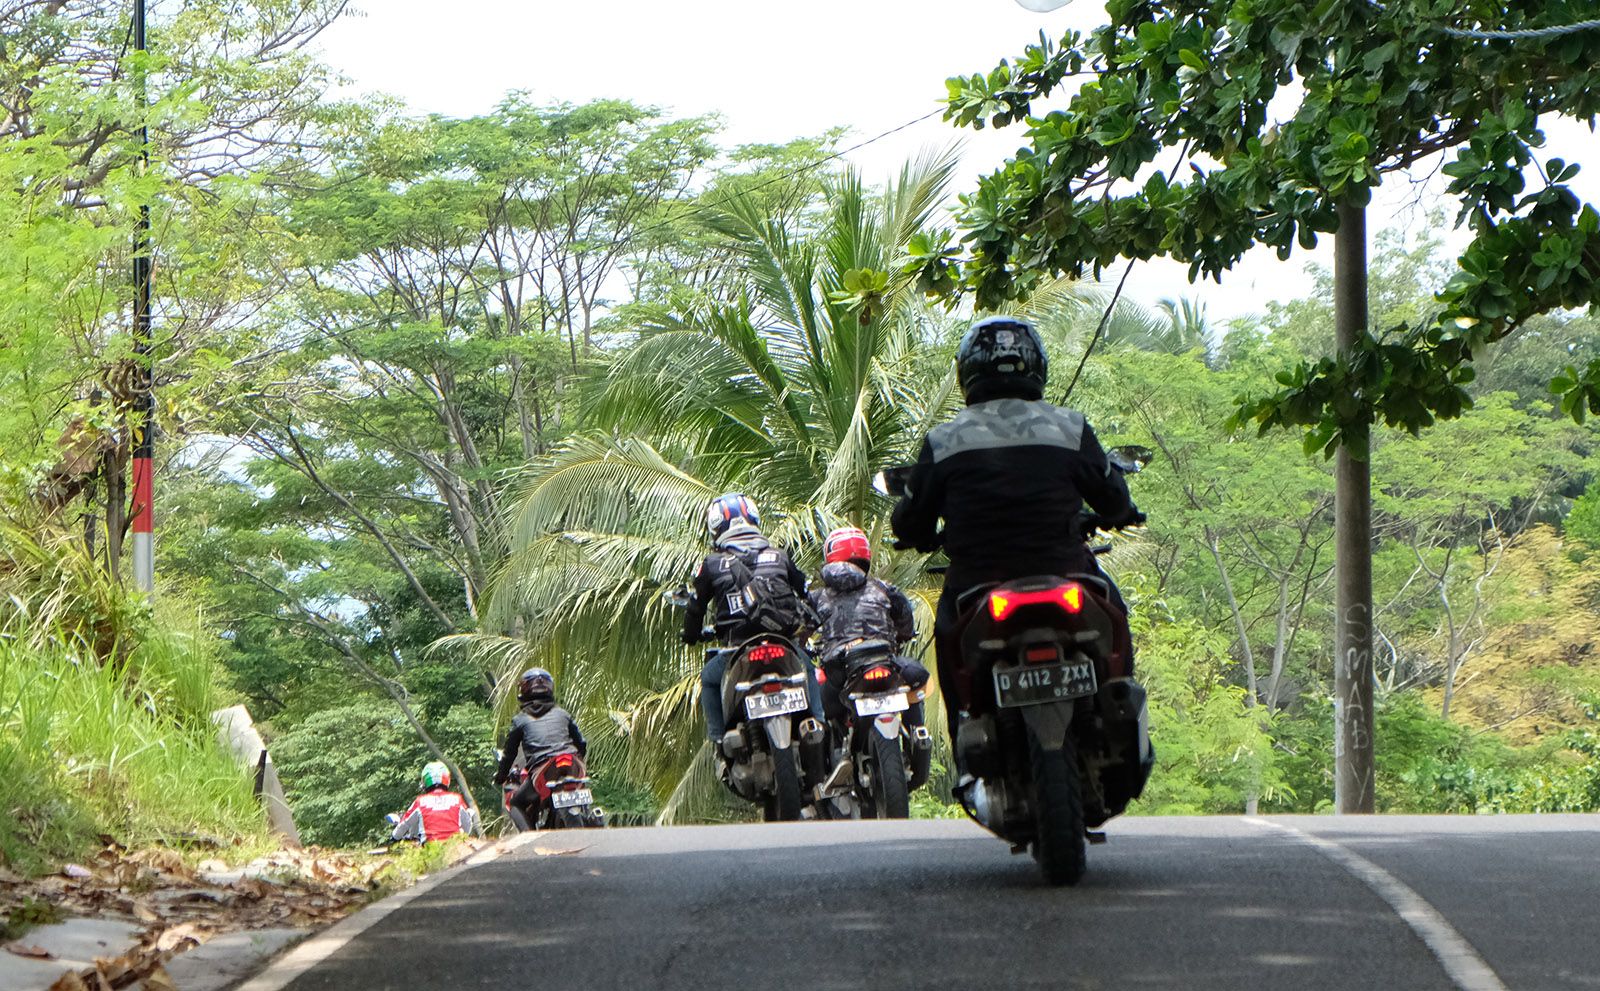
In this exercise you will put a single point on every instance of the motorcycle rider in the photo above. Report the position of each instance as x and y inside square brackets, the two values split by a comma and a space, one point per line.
[437, 813]
[739, 552]
[851, 605]
[540, 731]
[1009, 476]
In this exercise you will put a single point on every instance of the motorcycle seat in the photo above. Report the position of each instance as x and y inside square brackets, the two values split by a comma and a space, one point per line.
[853, 650]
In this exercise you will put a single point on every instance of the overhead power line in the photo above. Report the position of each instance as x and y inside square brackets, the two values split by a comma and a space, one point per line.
[1554, 31]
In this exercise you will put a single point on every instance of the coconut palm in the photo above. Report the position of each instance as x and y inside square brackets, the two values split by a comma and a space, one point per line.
[795, 384]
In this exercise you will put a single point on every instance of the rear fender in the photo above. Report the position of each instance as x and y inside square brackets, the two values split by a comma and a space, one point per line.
[780, 732]
[1049, 723]
[888, 725]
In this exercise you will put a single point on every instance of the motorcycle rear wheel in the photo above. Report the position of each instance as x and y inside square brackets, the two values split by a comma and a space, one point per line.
[890, 798]
[785, 802]
[1059, 844]
[568, 819]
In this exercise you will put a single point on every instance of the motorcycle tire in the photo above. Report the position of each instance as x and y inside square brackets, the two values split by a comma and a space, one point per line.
[786, 798]
[890, 798]
[567, 819]
[1059, 842]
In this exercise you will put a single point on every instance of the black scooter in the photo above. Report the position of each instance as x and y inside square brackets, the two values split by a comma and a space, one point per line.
[1053, 737]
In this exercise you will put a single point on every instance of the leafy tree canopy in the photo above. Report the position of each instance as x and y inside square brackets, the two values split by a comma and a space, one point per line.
[1376, 88]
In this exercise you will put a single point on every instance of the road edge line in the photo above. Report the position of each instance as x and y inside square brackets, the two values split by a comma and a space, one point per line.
[312, 951]
[1461, 962]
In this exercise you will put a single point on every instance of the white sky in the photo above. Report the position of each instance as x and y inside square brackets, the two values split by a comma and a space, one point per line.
[775, 71]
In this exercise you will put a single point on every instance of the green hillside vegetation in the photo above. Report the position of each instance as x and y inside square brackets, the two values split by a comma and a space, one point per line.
[105, 717]
[440, 399]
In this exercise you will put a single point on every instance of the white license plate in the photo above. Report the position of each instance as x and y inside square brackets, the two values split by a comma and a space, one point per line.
[760, 705]
[567, 799]
[872, 705]
[1033, 684]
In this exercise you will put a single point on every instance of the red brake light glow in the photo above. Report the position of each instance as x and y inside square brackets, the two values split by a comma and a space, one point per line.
[876, 674]
[1069, 597]
[766, 652]
[565, 760]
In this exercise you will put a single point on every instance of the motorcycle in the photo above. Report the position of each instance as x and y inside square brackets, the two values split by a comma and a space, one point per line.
[880, 757]
[565, 800]
[1054, 738]
[768, 719]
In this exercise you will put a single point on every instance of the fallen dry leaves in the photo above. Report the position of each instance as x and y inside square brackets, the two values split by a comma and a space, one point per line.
[180, 906]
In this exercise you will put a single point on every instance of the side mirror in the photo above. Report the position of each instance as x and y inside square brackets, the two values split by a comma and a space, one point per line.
[1130, 459]
[894, 481]
[678, 597]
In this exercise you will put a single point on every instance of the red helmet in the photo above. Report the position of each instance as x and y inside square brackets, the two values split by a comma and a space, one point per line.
[847, 543]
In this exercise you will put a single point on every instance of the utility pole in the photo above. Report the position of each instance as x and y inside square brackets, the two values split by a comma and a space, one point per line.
[1352, 536]
[144, 412]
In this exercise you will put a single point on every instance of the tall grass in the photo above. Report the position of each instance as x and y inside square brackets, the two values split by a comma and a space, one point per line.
[104, 716]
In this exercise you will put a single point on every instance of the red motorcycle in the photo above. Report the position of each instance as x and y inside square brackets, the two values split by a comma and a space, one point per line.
[565, 799]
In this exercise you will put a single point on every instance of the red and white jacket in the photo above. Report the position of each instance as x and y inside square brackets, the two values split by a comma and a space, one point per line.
[436, 814]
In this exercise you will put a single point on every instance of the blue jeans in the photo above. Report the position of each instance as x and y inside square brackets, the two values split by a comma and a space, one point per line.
[711, 691]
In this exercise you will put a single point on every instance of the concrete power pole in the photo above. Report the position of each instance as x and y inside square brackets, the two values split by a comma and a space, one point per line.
[144, 414]
[1352, 637]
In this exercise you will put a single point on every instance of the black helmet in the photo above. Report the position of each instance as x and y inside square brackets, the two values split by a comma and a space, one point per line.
[536, 682]
[1001, 358]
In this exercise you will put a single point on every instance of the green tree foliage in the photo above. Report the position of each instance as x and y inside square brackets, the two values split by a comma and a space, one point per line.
[1375, 88]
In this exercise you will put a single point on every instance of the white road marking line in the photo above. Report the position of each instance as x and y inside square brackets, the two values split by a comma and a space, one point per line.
[1459, 960]
[320, 947]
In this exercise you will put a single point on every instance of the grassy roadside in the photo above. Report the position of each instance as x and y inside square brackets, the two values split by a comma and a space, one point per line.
[105, 716]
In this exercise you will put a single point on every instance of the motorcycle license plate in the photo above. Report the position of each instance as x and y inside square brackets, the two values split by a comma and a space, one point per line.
[760, 705]
[872, 705]
[1035, 684]
[567, 799]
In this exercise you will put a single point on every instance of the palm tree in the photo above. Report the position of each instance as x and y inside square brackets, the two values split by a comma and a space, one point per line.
[796, 384]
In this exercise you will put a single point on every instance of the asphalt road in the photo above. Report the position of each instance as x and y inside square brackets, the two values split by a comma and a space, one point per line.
[1392, 903]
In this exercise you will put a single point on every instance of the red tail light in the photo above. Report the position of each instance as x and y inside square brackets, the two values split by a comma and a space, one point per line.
[565, 760]
[772, 686]
[1068, 597]
[767, 652]
[876, 674]
[1037, 654]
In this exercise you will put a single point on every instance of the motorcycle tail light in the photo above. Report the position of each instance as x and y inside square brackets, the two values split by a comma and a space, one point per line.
[766, 652]
[1068, 597]
[876, 674]
[565, 760]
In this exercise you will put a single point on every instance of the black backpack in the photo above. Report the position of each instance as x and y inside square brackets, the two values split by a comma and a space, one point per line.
[763, 600]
